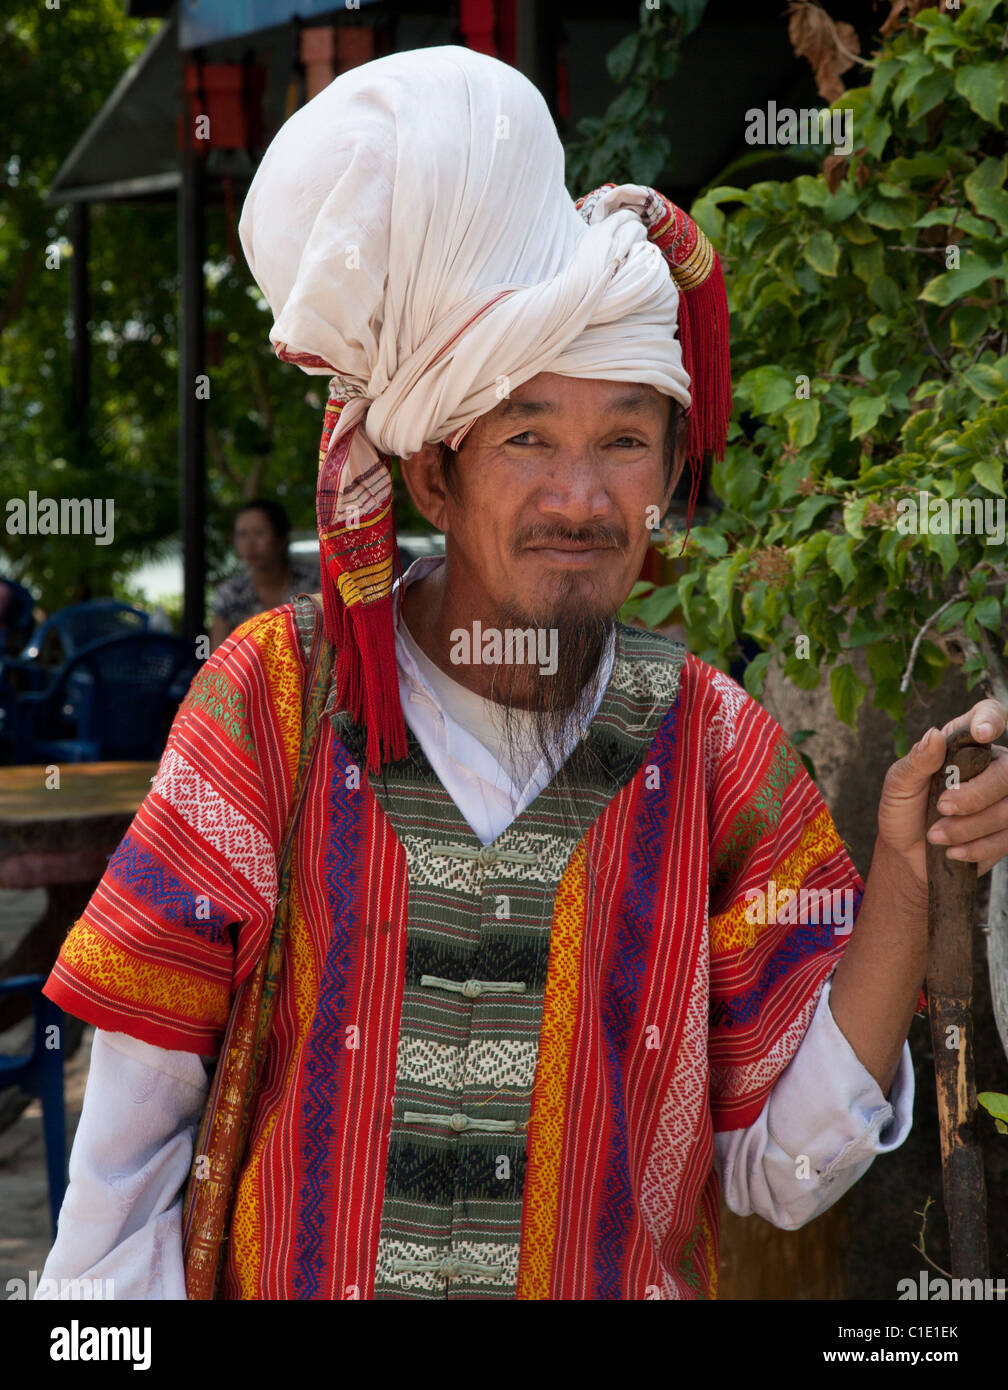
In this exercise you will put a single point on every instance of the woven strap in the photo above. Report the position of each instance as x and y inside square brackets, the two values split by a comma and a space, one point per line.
[220, 1143]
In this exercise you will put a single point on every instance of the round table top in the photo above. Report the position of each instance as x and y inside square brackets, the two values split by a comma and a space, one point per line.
[85, 790]
[65, 834]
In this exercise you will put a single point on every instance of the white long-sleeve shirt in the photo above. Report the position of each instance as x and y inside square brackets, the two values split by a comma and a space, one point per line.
[823, 1123]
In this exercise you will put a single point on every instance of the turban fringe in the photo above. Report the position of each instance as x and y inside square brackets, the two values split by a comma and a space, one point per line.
[702, 323]
[357, 544]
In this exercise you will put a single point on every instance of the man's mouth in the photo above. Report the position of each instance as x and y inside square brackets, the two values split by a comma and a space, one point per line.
[574, 553]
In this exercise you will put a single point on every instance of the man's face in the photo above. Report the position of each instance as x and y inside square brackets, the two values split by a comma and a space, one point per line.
[548, 507]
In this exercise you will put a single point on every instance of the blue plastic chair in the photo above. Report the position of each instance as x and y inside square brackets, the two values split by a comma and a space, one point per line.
[16, 621]
[68, 631]
[41, 1074]
[114, 700]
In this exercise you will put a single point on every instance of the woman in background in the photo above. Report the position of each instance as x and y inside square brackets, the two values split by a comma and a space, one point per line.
[270, 576]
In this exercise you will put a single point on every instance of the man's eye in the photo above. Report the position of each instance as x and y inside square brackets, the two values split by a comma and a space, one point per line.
[625, 440]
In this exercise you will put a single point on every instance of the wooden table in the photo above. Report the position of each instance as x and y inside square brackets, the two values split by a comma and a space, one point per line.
[60, 839]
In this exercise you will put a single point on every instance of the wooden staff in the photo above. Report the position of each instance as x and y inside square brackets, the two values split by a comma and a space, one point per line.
[952, 886]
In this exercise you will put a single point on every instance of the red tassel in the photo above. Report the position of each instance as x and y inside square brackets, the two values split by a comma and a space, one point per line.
[371, 683]
[703, 335]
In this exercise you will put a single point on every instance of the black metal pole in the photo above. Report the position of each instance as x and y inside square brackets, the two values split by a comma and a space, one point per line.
[537, 39]
[192, 400]
[80, 308]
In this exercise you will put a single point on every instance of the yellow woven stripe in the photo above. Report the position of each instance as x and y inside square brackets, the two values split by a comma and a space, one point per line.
[363, 585]
[546, 1120]
[284, 678]
[696, 268]
[362, 525]
[659, 229]
[123, 978]
[712, 1261]
[729, 931]
[246, 1223]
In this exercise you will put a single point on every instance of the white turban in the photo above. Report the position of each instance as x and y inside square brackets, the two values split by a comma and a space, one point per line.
[390, 212]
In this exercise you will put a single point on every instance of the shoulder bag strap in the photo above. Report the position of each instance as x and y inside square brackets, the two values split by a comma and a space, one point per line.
[220, 1144]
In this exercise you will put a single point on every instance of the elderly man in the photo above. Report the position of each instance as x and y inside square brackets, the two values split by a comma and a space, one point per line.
[566, 941]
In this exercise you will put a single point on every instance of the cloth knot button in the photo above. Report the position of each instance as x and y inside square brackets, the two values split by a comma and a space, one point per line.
[450, 1269]
[472, 989]
[487, 855]
[459, 1121]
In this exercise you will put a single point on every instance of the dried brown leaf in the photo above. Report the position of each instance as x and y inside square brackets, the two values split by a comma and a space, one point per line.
[902, 9]
[830, 48]
[834, 169]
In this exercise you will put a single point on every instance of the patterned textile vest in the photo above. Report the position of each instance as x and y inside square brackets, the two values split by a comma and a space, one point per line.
[495, 1072]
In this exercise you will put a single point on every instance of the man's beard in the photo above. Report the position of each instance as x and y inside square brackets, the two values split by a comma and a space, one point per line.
[552, 702]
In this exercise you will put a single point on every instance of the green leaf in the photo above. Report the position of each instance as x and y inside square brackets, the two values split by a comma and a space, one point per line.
[990, 475]
[620, 60]
[857, 231]
[865, 413]
[952, 616]
[988, 612]
[928, 165]
[986, 381]
[755, 674]
[915, 68]
[868, 261]
[768, 388]
[992, 203]
[853, 514]
[711, 542]
[691, 12]
[928, 93]
[720, 583]
[995, 1103]
[984, 87]
[802, 673]
[658, 606]
[885, 70]
[953, 284]
[822, 253]
[945, 217]
[808, 509]
[890, 213]
[989, 173]
[944, 546]
[842, 205]
[875, 132]
[838, 557]
[807, 551]
[803, 422]
[848, 691]
[967, 323]
[885, 292]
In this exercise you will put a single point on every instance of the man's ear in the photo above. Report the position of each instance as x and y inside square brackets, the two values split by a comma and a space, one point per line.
[421, 473]
[678, 464]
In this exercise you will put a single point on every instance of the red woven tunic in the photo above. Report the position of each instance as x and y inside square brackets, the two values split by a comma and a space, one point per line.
[653, 1006]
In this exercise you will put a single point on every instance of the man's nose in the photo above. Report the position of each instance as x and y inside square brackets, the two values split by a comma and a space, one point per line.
[576, 488]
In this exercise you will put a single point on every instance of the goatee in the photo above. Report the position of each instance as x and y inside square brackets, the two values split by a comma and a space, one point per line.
[552, 703]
